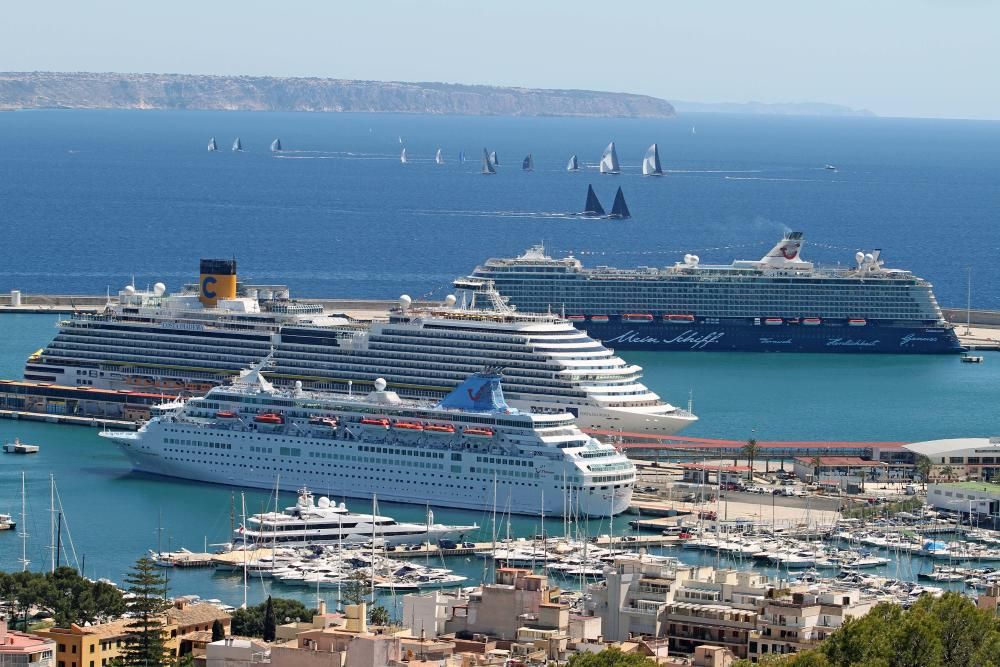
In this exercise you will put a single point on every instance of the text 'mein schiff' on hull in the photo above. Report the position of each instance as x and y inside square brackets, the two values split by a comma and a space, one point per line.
[777, 303]
[470, 450]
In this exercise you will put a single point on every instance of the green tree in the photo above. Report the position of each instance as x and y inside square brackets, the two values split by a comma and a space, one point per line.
[356, 589]
[751, 450]
[611, 657]
[218, 630]
[923, 467]
[145, 645]
[270, 626]
[947, 472]
[378, 615]
[249, 622]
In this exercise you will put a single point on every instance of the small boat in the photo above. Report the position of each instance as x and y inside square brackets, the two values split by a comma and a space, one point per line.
[437, 157]
[609, 160]
[619, 209]
[323, 421]
[830, 167]
[598, 318]
[856, 322]
[576, 318]
[402, 156]
[237, 146]
[678, 318]
[225, 414]
[479, 432]
[651, 162]
[638, 318]
[971, 359]
[461, 157]
[528, 164]
[276, 146]
[811, 321]
[212, 146]
[375, 421]
[18, 447]
[494, 160]
[7, 522]
[488, 166]
[269, 418]
[573, 165]
[773, 321]
[409, 426]
[439, 428]
[593, 206]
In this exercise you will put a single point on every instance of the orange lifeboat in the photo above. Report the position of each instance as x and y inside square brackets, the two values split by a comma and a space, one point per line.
[773, 321]
[269, 418]
[598, 318]
[439, 428]
[479, 432]
[856, 322]
[375, 421]
[678, 318]
[409, 426]
[637, 318]
[811, 321]
[225, 414]
[576, 318]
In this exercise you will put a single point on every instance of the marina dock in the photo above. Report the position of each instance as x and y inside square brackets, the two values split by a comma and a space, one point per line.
[76, 420]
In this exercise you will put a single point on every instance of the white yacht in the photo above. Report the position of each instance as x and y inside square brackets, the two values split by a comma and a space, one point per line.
[319, 522]
[184, 344]
[471, 450]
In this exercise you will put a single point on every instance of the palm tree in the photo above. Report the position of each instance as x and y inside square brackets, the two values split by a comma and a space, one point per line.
[947, 472]
[816, 462]
[750, 450]
[923, 466]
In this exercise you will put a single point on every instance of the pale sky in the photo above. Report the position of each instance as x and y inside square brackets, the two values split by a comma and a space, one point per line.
[935, 58]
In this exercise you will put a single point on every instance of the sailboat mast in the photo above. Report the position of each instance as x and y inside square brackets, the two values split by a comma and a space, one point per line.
[374, 521]
[24, 529]
[52, 522]
[243, 506]
[968, 303]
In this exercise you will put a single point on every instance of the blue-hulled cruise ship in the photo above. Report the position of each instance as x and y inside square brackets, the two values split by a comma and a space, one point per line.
[777, 303]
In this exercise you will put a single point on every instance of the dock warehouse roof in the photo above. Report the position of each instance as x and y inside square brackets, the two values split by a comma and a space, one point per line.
[956, 447]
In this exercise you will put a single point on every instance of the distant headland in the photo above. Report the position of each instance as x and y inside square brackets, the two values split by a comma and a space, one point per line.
[86, 90]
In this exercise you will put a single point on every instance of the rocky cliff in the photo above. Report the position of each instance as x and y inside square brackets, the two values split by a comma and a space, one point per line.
[82, 90]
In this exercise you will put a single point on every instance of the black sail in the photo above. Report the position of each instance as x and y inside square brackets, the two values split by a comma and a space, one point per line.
[593, 206]
[619, 210]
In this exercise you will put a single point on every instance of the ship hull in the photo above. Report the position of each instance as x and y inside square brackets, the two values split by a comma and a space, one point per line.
[830, 338]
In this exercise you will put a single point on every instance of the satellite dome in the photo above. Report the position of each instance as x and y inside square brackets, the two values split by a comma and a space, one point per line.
[695, 259]
[869, 257]
[450, 300]
[405, 301]
[323, 502]
[298, 385]
[380, 384]
[859, 256]
[129, 290]
[159, 289]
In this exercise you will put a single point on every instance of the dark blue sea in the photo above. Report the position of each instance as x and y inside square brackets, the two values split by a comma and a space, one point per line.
[87, 199]
[90, 198]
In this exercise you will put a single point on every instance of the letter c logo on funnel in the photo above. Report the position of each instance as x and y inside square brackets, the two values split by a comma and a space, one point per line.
[209, 280]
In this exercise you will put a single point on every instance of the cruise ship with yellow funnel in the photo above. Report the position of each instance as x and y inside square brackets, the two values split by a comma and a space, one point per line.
[186, 343]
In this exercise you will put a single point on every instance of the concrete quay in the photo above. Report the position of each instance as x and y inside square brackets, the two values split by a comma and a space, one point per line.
[68, 419]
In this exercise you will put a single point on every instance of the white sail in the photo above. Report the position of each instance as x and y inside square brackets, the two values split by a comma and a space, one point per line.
[651, 162]
[237, 146]
[402, 156]
[573, 164]
[438, 158]
[609, 161]
[212, 146]
[276, 146]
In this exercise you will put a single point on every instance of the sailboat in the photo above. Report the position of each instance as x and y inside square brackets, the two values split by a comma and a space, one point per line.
[619, 210]
[651, 163]
[276, 146]
[593, 206]
[528, 164]
[437, 157]
[212, 146]
[237, 146]
[461, 157]
[573, 164]
[402, 156]
[609, 161]
[493, 159]
[488, 167]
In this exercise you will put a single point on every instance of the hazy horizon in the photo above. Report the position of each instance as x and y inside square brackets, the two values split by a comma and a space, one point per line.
[916, 58]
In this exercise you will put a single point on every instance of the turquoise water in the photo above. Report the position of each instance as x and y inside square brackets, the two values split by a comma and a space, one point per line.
[113, 515]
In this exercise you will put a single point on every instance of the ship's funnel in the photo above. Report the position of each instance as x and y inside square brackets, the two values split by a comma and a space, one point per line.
[218, 281]
[480, 392]
[787, 248]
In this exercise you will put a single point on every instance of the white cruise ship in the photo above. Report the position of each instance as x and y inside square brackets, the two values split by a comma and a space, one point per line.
[470, 450]
[187, 343]
[310, 521]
